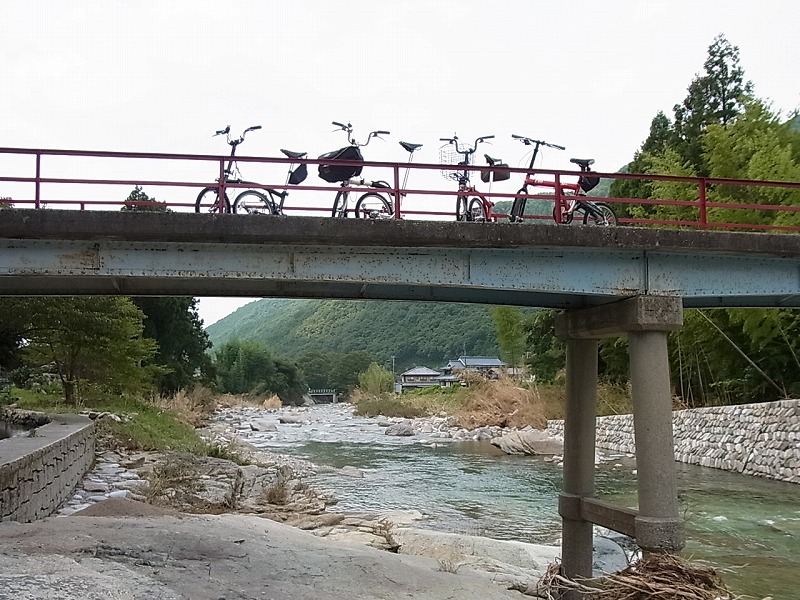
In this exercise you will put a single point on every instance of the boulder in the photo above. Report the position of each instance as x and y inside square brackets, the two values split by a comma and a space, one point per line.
[401, 429]
[263, 425]
[531, 441]
[290, 419]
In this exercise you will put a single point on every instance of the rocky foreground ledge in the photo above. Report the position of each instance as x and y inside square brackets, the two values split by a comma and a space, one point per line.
[132, 531]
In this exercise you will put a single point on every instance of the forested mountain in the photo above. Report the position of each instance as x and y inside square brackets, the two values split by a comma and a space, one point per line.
[416, 333]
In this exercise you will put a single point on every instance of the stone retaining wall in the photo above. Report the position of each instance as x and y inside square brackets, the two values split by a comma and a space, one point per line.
[39, 472]
[752, 439]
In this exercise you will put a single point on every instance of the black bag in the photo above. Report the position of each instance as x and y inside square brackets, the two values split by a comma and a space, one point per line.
[588, 183]
[299, 175]
[334, 173]
[497, 172]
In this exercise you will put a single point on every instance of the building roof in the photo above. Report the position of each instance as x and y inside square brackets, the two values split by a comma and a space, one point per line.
[465, 362]
[417, 371]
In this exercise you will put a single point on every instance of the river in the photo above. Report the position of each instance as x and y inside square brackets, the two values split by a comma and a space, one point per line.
[745, 527]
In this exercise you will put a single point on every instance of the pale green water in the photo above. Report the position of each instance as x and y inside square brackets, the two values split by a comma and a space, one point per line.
[747, 528]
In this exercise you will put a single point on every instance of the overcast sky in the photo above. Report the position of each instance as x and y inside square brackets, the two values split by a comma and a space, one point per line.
[162, 76]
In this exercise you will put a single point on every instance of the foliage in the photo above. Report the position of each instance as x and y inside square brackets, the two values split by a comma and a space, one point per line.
[174, 324]
[715, 97]
[249, 367]
[416, 333]
[376, 380]
[91, 343]
[546, 354]
[389, 405]
[508, 323]
[13, 324]
[137, 200]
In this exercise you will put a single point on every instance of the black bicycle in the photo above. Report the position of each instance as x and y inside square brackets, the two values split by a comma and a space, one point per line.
[269, 201]
[209, 199]
[372, 204]
[265, 200]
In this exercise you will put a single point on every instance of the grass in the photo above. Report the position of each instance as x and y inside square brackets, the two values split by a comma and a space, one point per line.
[505, 403]
[156, 424]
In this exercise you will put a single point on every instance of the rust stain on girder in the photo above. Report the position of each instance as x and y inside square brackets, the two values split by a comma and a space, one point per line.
[82, 259]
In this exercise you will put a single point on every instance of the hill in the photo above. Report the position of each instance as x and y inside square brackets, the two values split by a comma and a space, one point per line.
[415, 333]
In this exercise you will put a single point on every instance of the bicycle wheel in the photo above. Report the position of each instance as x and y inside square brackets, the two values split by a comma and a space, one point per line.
[600, 214]
[253, 203]
[462, 214]
[374, 206]
[207, 201]
[566, 217]
[340, 205]
[477, 211]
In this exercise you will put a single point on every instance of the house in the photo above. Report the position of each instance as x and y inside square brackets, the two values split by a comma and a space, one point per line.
[487, 366]
[419, 377]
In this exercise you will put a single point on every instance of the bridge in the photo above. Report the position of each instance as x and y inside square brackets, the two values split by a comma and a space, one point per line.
[609, 281]
[145, 253]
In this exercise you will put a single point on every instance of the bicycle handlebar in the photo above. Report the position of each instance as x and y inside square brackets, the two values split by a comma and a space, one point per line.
[528, 141]
[467, 149]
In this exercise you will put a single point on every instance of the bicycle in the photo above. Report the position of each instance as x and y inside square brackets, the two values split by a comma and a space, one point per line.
[567, 206]
[255, 202]
[209, 198]
[372, 204]
[479, 207]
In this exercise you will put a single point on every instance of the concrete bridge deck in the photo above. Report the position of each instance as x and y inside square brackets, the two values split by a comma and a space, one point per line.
[145, 253]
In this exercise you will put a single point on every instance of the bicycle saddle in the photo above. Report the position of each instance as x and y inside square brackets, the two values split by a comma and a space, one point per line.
[491, 160]
[291, 154]
[583, 163]
[410, 147]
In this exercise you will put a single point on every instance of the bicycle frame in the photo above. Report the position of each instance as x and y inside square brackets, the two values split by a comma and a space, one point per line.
[221, 202]
[464, 206]
[270, 201]
[373, 204]
[341, 202]
[569, 197]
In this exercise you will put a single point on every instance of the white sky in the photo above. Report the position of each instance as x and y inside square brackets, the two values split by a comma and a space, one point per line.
[162, 76]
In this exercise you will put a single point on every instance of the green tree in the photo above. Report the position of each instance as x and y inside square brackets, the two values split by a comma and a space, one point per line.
[174, 323]
[715, 97]
[660, 138]
[317, 367]
[93, 340]
[13, 324]
[509, 325]
[249, 367]
[546, 353]
[376, 380]
[347, 367]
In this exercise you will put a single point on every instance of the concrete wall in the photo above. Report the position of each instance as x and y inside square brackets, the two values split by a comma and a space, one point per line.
[752, 439]
[39, 472]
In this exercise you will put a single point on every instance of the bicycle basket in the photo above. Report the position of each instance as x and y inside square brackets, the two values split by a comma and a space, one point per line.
[449, 156]
[334, 173]
[497, 172]
[588, 183]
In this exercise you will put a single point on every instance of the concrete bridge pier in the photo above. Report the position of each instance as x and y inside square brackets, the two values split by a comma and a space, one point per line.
[646, 320]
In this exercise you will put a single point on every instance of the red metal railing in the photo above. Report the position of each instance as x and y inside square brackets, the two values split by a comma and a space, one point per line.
[34, 178]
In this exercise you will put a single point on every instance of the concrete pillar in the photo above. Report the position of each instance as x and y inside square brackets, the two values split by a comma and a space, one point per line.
[579, 450]
[658, 527]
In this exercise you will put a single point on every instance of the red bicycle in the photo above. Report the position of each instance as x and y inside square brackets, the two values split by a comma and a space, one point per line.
[571, 200]
[478, 208]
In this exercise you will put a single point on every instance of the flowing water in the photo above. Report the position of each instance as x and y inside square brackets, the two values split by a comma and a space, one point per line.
[745, 527]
